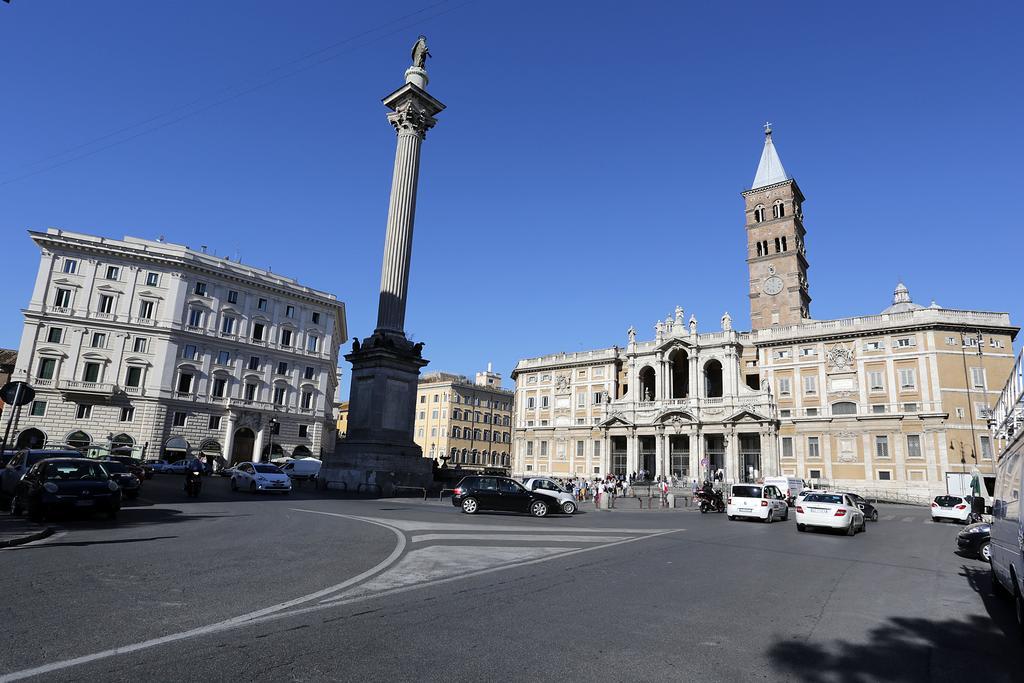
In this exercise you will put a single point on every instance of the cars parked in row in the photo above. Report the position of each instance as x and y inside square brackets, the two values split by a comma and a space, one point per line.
[956, 508]
[23, 461]
[765, 502]
[549, 487]
[476, 493]
[124, 477]
[258, 476]
[827, 510]
[976, 540]
[65, 484]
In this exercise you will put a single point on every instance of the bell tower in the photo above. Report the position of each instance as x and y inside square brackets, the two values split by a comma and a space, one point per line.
[776, 256]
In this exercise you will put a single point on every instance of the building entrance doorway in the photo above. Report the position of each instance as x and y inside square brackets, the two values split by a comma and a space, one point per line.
[714, 451]
[679, 449]
[618, 456]
[241, 450]
[750, 457]
[648, 458]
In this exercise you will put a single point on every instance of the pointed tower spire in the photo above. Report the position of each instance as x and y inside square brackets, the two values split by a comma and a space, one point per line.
[769, 170]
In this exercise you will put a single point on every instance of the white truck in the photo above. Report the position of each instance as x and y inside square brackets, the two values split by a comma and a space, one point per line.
[302, 469]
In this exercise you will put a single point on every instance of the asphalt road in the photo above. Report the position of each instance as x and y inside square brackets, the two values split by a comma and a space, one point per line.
[311, 587]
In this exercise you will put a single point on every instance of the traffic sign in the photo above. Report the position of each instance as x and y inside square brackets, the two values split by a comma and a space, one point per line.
[17, 393]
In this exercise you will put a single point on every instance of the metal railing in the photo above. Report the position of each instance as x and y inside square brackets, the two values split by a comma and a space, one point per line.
[413, 488]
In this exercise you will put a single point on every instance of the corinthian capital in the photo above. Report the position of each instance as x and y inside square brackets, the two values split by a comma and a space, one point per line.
[411, 121]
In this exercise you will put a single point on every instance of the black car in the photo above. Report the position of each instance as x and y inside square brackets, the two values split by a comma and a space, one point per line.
[65, 485]
[125, 477]
[134, 465]
[486, 492]
[869, 510]
[974, 540]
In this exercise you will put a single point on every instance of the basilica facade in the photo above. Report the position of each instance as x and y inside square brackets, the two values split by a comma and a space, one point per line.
[895, 400]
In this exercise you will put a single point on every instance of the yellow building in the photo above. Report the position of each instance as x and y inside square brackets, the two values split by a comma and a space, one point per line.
[464, 423]
[342, 410]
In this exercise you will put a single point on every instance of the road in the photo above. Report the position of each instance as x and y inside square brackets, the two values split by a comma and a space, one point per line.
[310, 587]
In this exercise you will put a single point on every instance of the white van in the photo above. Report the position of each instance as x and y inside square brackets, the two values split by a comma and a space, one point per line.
[299, 469]
[1007, 528]
[790, 486]
[765, 502]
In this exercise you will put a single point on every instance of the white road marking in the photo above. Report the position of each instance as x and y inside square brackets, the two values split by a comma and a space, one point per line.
[552, 538]
[541, 526]
[908, 519]
[889, 517]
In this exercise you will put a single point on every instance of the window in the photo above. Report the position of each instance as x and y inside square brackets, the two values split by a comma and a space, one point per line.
[113, 272]
[787, 447]
[959, 412]
[951, 341]
[106, 304]
[914, 445]
[978, 378]
[810, 384]
[309, 373]
[581, 400]
[279, 394]
[261, 304]
[180, 419]
[844, 408]
[227, 325]
[545, 402]
[311, 343]
[874, 345]
[811, 412]
[185, 382]
[904, 342]
[47, 368]
[275, 427]
[986, 447]
[282, 368]
[83, 411]
[54, 335]
[195, 317]
[289, 311]
[315, 318]
[127, 414]
[190, 352]
[303, 431]
[254, 363]
[91, 372]
[785, 412]
[223, 358]
[814, 474]
[200, 289]
[759, 213]
[219, 385]
[146, 310]
[875, 382]
[70, 266]
[152, 279]
[812, 447]
[784, 386]
[878, 408]
[62, 298]
[214, 422]
[38, 409]
[882, 446]
[433, 414]
[808, 351]
[884, 475]
[307, 400]
[232, 297]
[250, 391]
[531, 402]
[910, 407]
[133, 376]
[782, 354]
[543, 448]
[778, 210]
[140, 344]
[529, 448]
[908, 379]
[286, 337]
[257, 331]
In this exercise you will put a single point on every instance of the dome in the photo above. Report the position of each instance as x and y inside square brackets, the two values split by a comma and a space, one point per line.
[901, 302]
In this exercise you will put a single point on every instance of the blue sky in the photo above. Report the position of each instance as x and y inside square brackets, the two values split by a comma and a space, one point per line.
[585, 177]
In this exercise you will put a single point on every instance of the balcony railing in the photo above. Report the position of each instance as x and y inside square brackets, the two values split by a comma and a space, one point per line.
[83, 387]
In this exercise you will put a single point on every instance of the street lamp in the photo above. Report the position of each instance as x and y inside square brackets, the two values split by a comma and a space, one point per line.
[273, 426]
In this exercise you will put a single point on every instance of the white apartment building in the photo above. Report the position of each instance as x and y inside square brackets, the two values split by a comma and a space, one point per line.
[165, 351]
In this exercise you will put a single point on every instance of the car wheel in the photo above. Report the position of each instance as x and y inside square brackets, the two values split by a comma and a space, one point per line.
[732, 518]
[864, 525]
[539, 508]
[985, 552]
[234, 484]
[801, 527]
[770, 518]
[874, 515]
[569, 507]
[852, 529]
[252, 487]
[785, 515]
[470, 506]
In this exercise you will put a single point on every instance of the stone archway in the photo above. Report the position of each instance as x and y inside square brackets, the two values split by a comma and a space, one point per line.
[647, 378]
[241, 450]
[78, 440]
[680, 361]
[30, 438]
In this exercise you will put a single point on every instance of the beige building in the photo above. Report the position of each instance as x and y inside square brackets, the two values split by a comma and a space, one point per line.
[341, 410]
[464, 423]
[894, 400]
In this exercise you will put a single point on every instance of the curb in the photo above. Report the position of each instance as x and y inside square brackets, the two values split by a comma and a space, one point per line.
[38, 536]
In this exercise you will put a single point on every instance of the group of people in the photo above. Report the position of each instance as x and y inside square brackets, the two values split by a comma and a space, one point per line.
[613, 485]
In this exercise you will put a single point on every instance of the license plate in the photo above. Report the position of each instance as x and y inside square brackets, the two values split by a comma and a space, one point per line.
[744, 509]
[817, 509]
[83, 503]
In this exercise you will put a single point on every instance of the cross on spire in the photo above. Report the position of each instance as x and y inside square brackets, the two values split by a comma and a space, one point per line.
[767, 128]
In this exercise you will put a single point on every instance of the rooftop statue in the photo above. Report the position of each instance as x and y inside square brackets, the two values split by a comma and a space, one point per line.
[420, 52]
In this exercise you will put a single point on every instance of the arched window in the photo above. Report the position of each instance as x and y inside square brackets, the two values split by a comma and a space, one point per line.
[647, 384]
[844, 408]
[680, 361]
[778, 245]
[778, 209]
[474, 457]
[764, 245]
[456, 414]
[79, 440]
[784, 247]
[759, 213]
[712, 379]
[456, 432]
[759, 253]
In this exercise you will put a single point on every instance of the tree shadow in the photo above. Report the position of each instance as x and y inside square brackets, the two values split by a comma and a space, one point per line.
[906, 649]
[75, 544]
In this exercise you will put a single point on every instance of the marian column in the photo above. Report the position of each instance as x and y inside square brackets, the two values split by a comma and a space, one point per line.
[378, 452]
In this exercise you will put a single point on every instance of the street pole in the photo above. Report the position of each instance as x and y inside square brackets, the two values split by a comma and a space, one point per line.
[10, 418]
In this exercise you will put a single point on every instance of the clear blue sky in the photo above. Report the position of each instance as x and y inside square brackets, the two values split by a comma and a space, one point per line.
[585, 177]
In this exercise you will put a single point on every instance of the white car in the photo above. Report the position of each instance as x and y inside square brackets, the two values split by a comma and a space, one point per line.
[551, 489]
[764, 502]
[259, 476]
[956, 508]
[830, 511]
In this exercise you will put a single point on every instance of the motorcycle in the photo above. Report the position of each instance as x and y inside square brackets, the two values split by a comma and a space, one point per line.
[710, 502]
[193, 483]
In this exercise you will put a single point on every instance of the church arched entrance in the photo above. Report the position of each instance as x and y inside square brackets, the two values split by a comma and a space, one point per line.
[241, 450]
[30, 438]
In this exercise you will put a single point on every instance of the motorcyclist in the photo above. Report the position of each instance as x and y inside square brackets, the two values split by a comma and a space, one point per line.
[193, 474]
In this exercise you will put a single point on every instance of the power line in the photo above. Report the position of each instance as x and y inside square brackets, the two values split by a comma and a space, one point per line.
[258, 86]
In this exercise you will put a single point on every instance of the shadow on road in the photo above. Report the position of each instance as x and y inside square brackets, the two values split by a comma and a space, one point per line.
[75, 544]
[904, 649]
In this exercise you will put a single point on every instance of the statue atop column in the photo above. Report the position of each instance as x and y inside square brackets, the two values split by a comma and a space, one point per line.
[420, 53]
[631, 333]
[693, 324]
[658, 332]
[726, 322]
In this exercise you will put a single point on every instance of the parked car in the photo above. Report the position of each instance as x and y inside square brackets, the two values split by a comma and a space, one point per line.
[957, 508]
[765, 502]
[551, 488]
[22, 461]
[869, 510]
[475, 493]
[65, 484]
[159, 466]
[302, 469]
[260, 476]
[226, 471]
[124, 477]
[178, 466]
[976, 540]
[830, 511]
[790, 486]
[134, 465]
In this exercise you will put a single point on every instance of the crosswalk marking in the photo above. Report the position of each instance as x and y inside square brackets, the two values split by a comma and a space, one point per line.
[551, 538]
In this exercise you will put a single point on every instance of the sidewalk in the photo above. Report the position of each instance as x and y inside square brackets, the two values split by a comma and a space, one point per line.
[18, 530]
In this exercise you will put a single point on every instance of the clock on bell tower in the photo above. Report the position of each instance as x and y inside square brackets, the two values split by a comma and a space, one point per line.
[776, 256]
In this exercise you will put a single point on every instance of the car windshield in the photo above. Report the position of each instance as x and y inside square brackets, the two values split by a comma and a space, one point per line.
[549, 485]
[114, 467]
[267, 469]
[74, 471]
[746, 491]
[33, 458]
[833, 498]
[948, 501]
